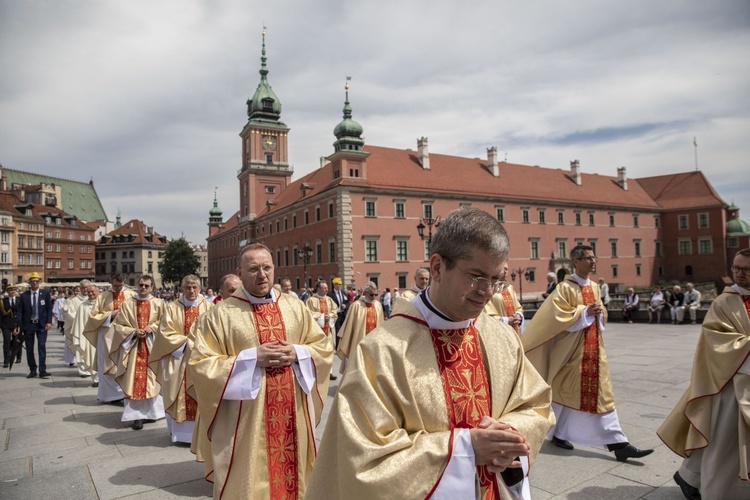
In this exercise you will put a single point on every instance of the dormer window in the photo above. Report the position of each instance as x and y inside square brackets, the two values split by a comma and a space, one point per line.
[270, 189]
[267, 104]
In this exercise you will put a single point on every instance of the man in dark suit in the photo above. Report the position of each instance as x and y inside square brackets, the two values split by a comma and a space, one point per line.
[9, 322]
[35, 318]
[339, 297]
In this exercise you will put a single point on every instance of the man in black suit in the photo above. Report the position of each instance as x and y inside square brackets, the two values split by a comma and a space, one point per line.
[9, 322]
[35, 318]
[339, 297]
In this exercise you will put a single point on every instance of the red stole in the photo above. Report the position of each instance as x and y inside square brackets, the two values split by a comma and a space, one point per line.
[140, 383]
[466, 388]
[746, 301]
[371, 317]
[281, 429]
[191, 405]
[323, 305]
[590, 361]
[510, 309]
[117, 300]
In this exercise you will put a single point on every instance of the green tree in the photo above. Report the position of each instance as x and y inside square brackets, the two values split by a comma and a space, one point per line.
[179, 261]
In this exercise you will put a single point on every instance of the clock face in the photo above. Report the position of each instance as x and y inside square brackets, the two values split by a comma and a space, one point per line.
[269, 143]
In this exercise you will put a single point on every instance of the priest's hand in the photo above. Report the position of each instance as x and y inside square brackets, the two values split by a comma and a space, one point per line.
[276, 354]
[514, 321]
[497, 445]
[593, 309]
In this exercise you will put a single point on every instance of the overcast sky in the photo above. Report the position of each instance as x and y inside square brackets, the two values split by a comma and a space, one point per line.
[148, 97]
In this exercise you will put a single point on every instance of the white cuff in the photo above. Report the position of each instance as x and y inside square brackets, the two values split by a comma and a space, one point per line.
[177, 353]
[108, 321]
[321, 320]
[129, 341]
[505, 319]
[246, 377]
[459, 478]
[303, 368]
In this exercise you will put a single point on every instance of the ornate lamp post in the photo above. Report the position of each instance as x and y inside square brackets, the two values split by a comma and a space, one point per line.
[429, 223]
[521, 273]
[305, 253]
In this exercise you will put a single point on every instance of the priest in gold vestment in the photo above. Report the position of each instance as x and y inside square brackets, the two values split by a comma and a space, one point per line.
[69, 312]
[99, 331]
[439, 401]
[364, 316]
[564, 342]
[259, 366]
[168, 362]
[134, 333]
[505, 306]
[85, 351]
[710, 426]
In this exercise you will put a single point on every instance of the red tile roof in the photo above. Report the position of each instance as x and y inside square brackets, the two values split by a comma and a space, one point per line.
[138, 229]
[389, 168]
[685, 190]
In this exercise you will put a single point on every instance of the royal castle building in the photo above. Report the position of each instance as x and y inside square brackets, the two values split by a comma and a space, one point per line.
[356, 216]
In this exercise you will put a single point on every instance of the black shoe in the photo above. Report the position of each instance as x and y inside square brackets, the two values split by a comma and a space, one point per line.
[630, 451]
[138, 425]
[332, 377]
[45, 375]
[31, 375]
[95, 384]
[71, 365]
[561, 443]
[690, 492]
[5, 365]
[148, 420]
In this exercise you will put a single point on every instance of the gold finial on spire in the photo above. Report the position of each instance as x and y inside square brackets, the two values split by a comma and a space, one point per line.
[346, 85]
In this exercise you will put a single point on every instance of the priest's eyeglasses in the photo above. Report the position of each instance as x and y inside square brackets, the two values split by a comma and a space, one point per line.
[257, 269]
[740, 270]
[482, 285]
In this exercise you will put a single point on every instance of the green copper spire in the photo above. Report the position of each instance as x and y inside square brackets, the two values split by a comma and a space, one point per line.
[215, 214]
[264, 106]
[348, 132]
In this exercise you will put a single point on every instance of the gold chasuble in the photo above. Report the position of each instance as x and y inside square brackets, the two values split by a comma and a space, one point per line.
[722, 348]
[170, 371]
[361, 319]
[262, 447]
[575, 365]
[106, 303]
[320, 306]
[391, 428]
[504, 304]
[467, 391]
[136, 379]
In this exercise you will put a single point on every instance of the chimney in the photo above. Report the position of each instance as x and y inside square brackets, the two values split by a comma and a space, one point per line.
[622, 177]
[492, 161]
[575, 171]
[423, 154]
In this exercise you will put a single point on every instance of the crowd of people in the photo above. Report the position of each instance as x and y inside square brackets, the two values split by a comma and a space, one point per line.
[446, 391]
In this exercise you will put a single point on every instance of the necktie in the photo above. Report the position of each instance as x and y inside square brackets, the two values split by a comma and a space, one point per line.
[34, 309]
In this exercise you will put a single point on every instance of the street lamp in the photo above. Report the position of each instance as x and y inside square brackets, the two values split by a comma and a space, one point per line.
[429, 223]
[521, 273]
[305, 253]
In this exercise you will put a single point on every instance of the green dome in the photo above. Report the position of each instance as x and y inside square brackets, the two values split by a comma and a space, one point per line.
[215, 213]
[348, 132]
[738, 227]
[264, 105]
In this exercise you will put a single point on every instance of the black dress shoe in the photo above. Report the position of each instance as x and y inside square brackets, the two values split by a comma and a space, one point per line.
[690, 492]
[630, 451]
[45, 375]
[332, 377]
[148, 420]
[5, 365]
[138, 425]
[95, 384]
[561, 443]
[31, 375]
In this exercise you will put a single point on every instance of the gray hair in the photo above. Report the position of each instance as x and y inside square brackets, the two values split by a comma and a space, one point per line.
[468, 228]
[84, 283]
[191, 279]
[370, 286]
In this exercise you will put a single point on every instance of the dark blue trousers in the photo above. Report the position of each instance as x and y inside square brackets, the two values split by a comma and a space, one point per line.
[36, 331]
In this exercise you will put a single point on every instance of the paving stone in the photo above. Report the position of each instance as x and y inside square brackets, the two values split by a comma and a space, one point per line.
[72, 482]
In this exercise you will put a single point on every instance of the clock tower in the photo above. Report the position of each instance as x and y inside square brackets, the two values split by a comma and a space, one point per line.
[265, 163]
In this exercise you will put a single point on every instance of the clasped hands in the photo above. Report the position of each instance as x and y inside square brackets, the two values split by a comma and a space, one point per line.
[142, 333]
[276, 354]
[594, 309]
[497, 445]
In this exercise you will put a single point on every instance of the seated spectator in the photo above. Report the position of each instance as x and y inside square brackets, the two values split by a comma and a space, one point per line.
[691, 303]
[631, 306]
[676, 301]
[656, 304]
